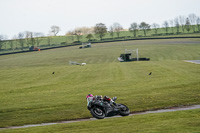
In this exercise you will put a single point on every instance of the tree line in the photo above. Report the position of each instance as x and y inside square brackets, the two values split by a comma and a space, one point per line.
[185, 24]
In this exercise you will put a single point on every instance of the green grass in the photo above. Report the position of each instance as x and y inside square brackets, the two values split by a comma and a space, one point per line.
[30, 93]
[171, 122]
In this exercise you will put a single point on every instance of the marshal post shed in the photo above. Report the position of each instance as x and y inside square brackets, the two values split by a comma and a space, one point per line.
[127, 56]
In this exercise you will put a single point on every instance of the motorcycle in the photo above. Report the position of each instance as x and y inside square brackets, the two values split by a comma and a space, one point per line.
[101, 108]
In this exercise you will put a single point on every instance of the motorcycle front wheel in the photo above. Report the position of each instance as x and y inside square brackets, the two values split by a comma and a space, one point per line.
[97, 113]
[124, 110]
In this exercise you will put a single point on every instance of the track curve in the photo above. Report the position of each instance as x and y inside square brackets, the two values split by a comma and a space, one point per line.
[171, 109]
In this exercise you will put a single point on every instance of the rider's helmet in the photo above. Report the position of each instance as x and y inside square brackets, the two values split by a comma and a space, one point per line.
[106, 98]
[89, 95]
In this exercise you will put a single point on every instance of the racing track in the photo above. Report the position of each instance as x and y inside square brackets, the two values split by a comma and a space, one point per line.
[90, 119]
[193, 61]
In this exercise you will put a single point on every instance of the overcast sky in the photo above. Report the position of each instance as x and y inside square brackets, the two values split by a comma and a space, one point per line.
[39, 15]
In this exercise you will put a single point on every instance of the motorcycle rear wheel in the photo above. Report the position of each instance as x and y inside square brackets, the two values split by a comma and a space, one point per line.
[97, 113]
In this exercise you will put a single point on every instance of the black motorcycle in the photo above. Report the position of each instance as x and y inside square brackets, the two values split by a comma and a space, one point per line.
[101, 108]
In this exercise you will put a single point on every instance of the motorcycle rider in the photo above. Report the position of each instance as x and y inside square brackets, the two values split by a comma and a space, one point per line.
[89, 98]
[107, 99]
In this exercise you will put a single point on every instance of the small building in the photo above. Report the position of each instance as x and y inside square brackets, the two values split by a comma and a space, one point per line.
[128, 56]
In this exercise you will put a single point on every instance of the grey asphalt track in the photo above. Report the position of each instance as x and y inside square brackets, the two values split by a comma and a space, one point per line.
[193, 61]
[90, 119]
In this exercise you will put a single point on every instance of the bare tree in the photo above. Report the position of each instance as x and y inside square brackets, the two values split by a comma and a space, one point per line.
[166, 26]
[85, 30]
[21, 40]
[5, 41]
[38, 38]
[187, 25]
[55, 29]
[134, 28]
[155, 27]
[78, 34]
[111, 31]
[145, 27]
[172, 25]
[1, 41]
[192, 18]
[70, 34]
[176, 23]
[32, 38]
[182, 21]
[198, 23]
[1, 37]
[100, 29]
[117, 28]
[15, 38]
[27, 35]
[49, 40]
[11, 43]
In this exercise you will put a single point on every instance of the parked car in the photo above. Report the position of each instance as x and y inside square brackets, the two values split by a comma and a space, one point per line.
[33, 48]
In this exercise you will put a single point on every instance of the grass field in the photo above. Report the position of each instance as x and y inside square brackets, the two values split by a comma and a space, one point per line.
[172, 122]
[30, 93]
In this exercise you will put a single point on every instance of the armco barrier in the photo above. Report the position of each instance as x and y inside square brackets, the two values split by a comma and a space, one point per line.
[131, 39]
[40, 49]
